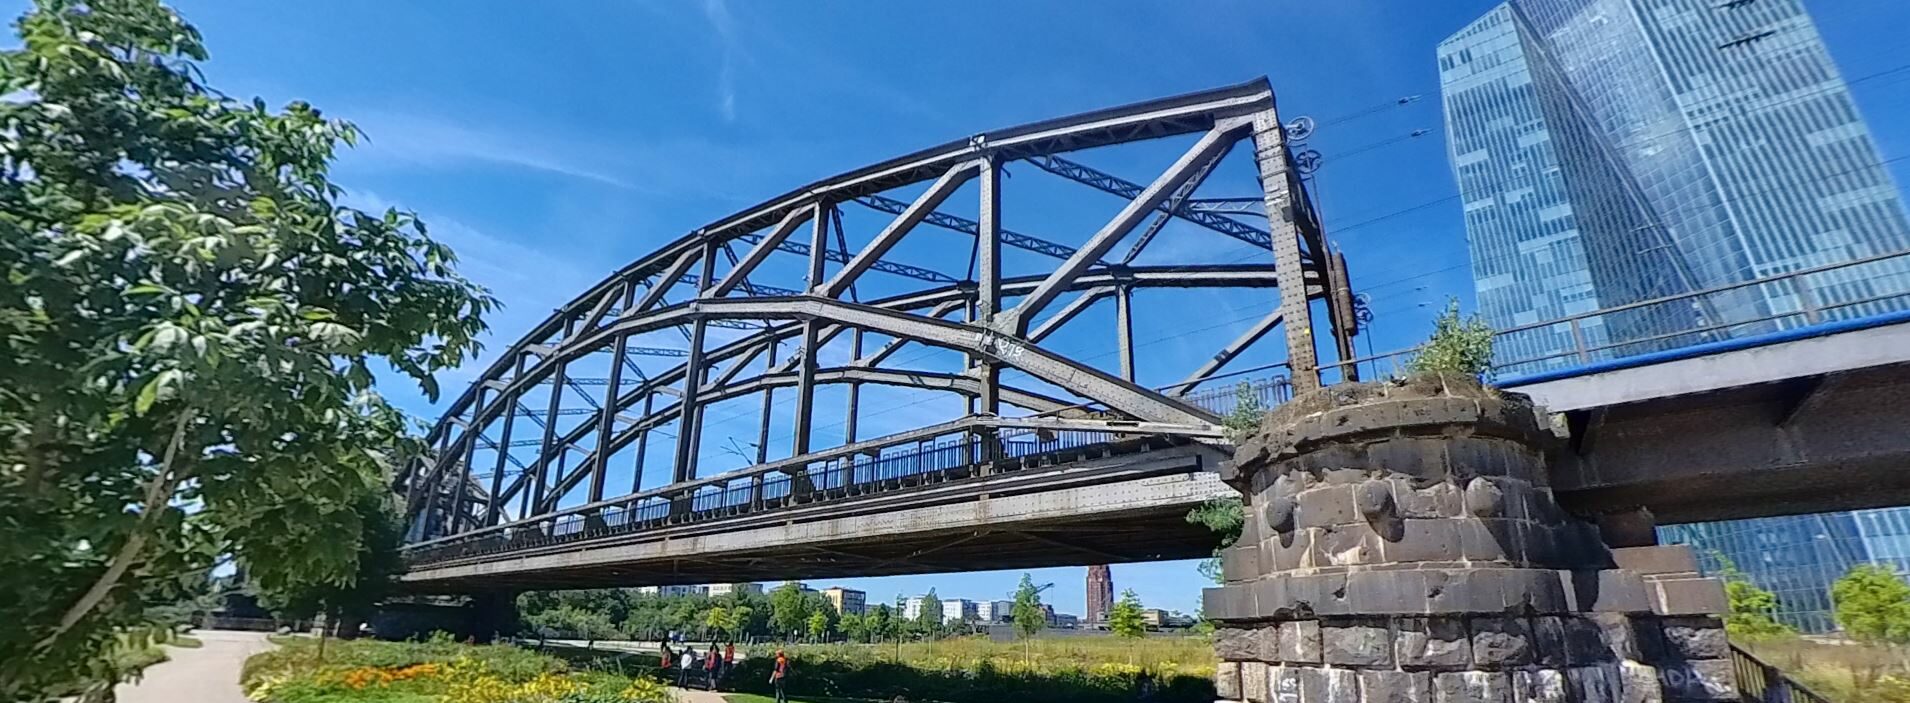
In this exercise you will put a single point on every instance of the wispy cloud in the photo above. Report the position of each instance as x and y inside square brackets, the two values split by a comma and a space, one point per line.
[429, 141]
[718, 14]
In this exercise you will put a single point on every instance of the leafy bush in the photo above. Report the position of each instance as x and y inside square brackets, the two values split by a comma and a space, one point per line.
[973, 670]
[1457, 346]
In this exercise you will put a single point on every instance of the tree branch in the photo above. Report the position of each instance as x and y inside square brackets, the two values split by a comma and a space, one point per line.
[158, 491]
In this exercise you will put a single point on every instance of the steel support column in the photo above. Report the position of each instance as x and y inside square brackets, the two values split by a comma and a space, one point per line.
[1270, 153]
[769, 400]
[643, 445]
[806, 355]
[855, 391]
[1124, 329]
[606, 427]
[689, 421]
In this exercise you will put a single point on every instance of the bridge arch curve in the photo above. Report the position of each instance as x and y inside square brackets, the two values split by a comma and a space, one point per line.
[541, 425]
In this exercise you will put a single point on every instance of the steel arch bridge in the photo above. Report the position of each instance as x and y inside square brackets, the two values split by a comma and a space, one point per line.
[526, 456]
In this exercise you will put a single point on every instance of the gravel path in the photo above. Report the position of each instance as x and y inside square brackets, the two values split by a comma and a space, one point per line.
[209, 674]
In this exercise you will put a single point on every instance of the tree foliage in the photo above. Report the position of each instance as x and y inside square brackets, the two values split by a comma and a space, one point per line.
[1872, 604]
[1245, 417]
[1225, 517]
[1459, 345]
[1752, 609]
[190, 322]
[788, 609]
[1027, 613]
[1124, 619]
[929, 620]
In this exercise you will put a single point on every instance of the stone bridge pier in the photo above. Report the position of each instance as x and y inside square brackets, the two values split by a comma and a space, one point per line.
[1402, 544]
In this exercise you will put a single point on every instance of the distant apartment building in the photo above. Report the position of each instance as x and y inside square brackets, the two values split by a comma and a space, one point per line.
[956, 610]
[848, 601]
[724, 589]
[995, 610]
[1610, 152]
[673, 591]
[912, 608]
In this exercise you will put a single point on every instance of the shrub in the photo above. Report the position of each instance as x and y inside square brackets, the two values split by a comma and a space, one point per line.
[1457, 346]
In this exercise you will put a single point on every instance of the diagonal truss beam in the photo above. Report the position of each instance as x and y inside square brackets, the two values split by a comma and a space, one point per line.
[761, 251]
[1227, 354]
[1216, 140]
[1173, 205]
[900, 226]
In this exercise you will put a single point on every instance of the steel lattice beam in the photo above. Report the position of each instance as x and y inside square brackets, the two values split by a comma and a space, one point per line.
[970, 227]
[1116, 185]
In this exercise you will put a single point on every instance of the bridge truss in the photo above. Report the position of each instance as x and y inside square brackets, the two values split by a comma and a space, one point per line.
[537, 439]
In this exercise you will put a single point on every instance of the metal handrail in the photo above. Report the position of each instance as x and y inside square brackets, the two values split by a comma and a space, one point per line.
[1809, 309]
[1759, 682]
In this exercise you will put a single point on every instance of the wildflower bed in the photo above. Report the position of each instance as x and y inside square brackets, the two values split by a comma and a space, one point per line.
[438, 670]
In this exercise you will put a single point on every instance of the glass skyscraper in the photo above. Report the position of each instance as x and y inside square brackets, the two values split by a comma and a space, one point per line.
[1610, 152]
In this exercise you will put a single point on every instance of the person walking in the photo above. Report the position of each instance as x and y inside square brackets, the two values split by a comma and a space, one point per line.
[729, 658]
[683, 672]
[664, 646]
[711, 662]
[778, 674]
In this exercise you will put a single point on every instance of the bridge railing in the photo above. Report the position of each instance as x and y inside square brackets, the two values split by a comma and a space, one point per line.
[1759, 682]
[1804, 297]
[969, 448]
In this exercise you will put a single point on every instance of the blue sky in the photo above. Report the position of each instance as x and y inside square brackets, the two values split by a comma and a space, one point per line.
[551, 143]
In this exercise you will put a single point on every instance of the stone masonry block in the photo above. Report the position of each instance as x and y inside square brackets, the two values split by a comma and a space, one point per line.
[1423, 499]
[1295, 549]
[1539, 686]
[1270, 598]
[1329, 686]
[1696, 637]
[1432, 643]
[1373, 498]
[1325, 505]
[1490, 540]
[1639, 683]
[1425, 540]
[1227, 680]
[1395, 686]
[1657, 559]
[1501, 641]
[1240, 563]
[1700, 680]
[1548, 636]
[1300, 641]
[1352, 544]
[1485, 498]
[1266, 643]
[1695, 596]
[1472, 687]
[1364, 642]
[1283, 683]
[1533, 590]
[1235, 644]
[1253, 682]
[1594, 683]
[1389, 591]
[1330, 593]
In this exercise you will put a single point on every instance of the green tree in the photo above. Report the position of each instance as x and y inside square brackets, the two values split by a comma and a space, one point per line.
[1751, 613]
[1459, 345]
[1124, 619]
[818, 626]
[854, 627]
[881, 622]
[1247, 412]
[1027, 611]
[929, 619]
[1224, 517]
[190, 320]
[350, 602]
[789, 611]
[1872, 603]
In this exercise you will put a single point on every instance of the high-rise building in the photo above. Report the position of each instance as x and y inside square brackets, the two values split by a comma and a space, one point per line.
[1613, 151]
[848, 601]
[1100, 593]
[995, 610]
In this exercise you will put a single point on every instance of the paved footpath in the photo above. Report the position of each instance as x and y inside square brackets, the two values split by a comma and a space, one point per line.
[693, 695]
[209, 674]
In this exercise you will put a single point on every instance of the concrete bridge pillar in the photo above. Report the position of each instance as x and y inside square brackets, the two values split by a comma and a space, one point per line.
[1402, 544]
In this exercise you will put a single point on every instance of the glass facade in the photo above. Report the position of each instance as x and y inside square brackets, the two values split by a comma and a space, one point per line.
[1610, 152]
[1616, 151]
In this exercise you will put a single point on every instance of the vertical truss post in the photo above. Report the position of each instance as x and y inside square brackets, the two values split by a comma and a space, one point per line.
[466, 459]
[548, 448]
[643, 444]
[511, 401]
[806, 366]
[855, 390]
[1124, 329]
[1270, 153]
[769, 400]
[988, 296]
[607, 421]
[690, 417]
